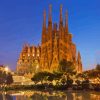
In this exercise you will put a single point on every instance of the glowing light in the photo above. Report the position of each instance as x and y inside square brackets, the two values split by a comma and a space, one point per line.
[37, 67]
[6, 69]
[38, 55]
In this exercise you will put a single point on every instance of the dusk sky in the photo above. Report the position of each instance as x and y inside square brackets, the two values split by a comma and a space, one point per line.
[21, 22]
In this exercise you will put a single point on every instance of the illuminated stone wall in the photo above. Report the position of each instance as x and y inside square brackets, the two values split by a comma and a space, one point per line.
[29, 59]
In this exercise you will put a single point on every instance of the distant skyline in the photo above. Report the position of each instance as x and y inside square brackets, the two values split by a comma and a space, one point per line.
[21, 22]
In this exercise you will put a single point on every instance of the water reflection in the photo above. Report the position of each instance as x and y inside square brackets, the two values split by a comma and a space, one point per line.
[45, 95]
[4, 96]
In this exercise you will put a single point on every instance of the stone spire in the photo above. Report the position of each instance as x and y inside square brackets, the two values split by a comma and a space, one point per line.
[66, 21]
[79, 63]
[50, 22]
[44, 19]
[44, 27]
[61, 18]
[50, 14]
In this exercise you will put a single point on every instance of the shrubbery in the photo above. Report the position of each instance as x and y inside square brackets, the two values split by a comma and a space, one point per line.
[5, 78]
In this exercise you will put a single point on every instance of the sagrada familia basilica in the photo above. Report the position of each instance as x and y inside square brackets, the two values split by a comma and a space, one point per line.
[56, 45]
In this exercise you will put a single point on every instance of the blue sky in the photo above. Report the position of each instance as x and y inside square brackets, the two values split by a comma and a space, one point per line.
[21, 22]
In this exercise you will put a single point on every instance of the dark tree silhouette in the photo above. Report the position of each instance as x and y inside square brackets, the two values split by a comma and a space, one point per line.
[9, 79]
[98, 67]
[66, 66]
[40, 76]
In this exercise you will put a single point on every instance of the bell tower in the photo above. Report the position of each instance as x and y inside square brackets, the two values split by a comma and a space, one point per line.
[44, 27]
[61, 18]
[66, 22]
[79, 63]
[50, 22]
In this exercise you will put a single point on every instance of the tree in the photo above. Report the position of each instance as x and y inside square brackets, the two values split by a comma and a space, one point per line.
[5, 78]
[62, 65]
[57, 75]
[66, 66]
[78, 82]
[40, 76]
[2, 77]
[85, 84]
[98, 67]
[9, 79]
[92, 73]
[81, 75]
[69, 81]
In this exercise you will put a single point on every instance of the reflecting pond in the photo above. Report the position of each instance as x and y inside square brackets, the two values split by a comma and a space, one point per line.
[51, 95]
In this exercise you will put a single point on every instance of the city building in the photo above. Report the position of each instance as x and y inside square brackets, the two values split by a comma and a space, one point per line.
[56, 45]
[4, 68]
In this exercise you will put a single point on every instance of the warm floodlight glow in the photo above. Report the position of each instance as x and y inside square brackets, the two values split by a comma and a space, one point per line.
[37, 67]
[6, 69]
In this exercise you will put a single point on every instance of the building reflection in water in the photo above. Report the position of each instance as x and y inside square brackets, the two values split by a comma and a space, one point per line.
[4, 96]
[37, 95]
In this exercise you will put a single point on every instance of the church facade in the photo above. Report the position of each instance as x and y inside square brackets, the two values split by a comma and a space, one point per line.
[56, 45]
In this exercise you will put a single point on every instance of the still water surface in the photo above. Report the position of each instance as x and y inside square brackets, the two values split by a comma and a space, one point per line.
[53, 95]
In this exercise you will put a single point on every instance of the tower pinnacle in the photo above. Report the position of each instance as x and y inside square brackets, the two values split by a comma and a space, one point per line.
[61, 18]
[50, 13]
[66, 21]
[44, 27]
[44, 19]
[79, 63]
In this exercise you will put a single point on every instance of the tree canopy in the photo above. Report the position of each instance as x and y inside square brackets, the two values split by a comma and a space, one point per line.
[5, 78]
[40, 76]
[48, 76]
[98, 67]
[66, 66]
